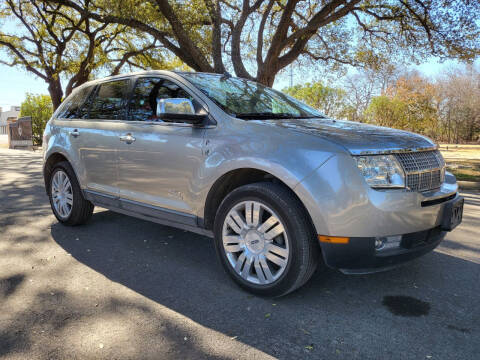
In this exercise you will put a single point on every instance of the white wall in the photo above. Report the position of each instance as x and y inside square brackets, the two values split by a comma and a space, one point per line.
[4, 115]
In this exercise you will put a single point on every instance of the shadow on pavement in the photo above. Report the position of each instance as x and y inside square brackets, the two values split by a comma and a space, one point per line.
[180, 271]
[57, 306]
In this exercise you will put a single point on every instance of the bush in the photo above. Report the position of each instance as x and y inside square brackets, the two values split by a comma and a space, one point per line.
[40, 109]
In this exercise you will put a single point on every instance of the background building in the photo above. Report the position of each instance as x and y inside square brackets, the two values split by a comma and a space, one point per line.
[13, 113]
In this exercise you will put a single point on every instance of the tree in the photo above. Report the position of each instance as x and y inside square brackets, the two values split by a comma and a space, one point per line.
[410, 105]
[359, 89]
[328, 100]
[446, 109]
[363, 84]
[387, 111]
[259, 38]
[40, 109]
[459, 105]
[56, 43]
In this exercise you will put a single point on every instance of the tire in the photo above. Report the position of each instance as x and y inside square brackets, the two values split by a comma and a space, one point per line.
[291, 256]
[80, 210]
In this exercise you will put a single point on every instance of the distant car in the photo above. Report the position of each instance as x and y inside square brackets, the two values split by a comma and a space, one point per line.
[276, 183]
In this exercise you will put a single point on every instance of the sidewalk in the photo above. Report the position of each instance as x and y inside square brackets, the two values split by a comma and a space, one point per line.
[3, 141]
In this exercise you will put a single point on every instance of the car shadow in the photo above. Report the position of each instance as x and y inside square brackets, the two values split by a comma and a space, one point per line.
[179, 270]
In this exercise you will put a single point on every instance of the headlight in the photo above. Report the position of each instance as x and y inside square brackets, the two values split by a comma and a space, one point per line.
[381, 171]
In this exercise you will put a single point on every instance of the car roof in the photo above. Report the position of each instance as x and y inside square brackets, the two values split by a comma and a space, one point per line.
[140, 73]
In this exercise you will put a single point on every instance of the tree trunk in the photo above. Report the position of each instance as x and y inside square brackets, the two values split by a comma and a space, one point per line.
[449, 126]
[216, 15]
[56, 92]
[265, 76]
[78, 79]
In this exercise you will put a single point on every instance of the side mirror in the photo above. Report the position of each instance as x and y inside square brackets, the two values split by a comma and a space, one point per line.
[178, 110]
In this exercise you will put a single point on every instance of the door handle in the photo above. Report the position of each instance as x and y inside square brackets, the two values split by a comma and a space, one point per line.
[74, 133]
[128, 138]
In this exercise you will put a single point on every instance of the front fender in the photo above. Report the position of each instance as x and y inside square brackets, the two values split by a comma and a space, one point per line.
[286, 155]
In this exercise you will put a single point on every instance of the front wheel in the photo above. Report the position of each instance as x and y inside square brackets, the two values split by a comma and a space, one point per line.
[265, 240]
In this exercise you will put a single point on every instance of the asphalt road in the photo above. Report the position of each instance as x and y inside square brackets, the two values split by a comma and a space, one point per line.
[122, 288]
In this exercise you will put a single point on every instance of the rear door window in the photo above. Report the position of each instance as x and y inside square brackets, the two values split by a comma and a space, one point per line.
[110, 101]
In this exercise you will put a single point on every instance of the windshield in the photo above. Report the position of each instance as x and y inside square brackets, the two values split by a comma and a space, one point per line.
[249, 100]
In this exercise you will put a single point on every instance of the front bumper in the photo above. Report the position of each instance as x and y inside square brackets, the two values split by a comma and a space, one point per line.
[359, 256]
[340, 203]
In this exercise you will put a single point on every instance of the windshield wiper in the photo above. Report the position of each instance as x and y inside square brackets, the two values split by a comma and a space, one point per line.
[310, 117]
[265, 115]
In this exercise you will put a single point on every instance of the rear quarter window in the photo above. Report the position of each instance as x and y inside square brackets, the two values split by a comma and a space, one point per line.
[72, 104]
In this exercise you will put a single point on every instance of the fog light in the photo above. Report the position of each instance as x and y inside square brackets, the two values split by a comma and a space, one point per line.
[379, 241]
[387, 242]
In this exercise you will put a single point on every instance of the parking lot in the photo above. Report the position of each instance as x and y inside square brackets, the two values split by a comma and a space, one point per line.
[122, 288]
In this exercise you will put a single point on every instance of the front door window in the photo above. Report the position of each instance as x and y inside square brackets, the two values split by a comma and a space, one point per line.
[147, 93]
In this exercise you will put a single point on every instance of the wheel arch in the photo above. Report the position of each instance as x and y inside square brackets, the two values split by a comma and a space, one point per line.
[233, 179]
[49, 164]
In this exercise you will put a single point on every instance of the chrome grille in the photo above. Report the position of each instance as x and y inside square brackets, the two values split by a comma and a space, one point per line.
[424, 169]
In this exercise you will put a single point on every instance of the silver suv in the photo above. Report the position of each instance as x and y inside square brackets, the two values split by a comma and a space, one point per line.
[277, 184]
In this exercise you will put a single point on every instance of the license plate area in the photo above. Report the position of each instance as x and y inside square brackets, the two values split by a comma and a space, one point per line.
[452, 214]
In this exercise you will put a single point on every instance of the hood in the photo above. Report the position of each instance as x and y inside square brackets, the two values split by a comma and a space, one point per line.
[357, 138]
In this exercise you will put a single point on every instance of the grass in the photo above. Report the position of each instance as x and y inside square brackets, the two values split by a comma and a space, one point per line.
[463, 161]
[465, 175]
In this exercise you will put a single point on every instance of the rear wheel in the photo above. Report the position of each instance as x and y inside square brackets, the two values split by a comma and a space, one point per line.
[66, 198]
[265, 240]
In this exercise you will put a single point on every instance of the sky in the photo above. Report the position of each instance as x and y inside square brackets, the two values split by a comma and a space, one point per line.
[431, 69]
[15, 82]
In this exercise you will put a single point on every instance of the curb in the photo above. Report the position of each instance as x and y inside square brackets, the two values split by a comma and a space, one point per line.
[469, 185]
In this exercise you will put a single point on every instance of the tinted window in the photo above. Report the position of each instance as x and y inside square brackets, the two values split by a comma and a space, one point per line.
[109, 102]
[143, 106]
[84, 109]
[71, 106]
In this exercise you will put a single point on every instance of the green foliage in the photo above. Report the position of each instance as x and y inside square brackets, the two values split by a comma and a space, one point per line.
[326, 99]
[39, 108]
[386, 111]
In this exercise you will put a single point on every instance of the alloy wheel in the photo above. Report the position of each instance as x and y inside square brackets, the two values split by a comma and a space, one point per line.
[255, 242]
[62, 194]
